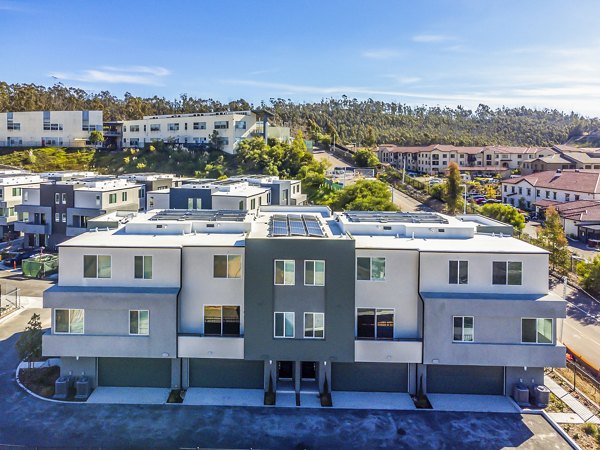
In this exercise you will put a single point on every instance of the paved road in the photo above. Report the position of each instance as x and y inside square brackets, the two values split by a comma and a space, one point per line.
[323, 155]
[28, 287]
[581, 328]
[27, 421]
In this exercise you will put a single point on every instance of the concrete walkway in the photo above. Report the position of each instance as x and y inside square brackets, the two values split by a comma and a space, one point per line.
[472, 403]
[372, 400]
[584, 414]
[129, 396]
[224, 397]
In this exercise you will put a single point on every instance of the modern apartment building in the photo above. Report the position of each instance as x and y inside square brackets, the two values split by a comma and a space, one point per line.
[434, 159]
[283, 192]
[12, 183]
[48, 128]
[544, 188]
[153, 181]
[54, 211]
[379, 302]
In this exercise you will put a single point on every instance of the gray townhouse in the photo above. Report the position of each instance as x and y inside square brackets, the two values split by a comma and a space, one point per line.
[54, 211]
[369, 301]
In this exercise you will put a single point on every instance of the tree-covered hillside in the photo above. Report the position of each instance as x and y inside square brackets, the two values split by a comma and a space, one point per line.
[365, 122]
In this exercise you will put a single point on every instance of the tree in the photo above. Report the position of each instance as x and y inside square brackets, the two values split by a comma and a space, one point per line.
[552, 237]
[29, 344]
[364, 195]
[214, 141]
[453, 188]
[365, 158]
[504, 213]
[96, 137]
[589, 274]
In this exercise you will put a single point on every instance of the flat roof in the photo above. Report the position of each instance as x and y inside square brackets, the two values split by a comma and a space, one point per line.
[394, 217]
[207, 215]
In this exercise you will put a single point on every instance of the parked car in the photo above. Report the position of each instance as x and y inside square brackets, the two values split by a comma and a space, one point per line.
[434, 181]
[18, 256]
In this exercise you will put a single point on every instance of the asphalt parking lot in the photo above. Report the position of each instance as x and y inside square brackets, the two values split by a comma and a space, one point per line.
[28, 287]
[27, 421]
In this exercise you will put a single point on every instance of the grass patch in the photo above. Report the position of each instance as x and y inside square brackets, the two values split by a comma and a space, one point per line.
[40, 380]
[582, 383]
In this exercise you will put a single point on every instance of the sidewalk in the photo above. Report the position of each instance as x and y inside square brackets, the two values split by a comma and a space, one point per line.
[584, 414]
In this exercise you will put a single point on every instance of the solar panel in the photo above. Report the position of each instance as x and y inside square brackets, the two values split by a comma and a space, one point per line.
[208, 215]
[394, 217]
[296, 226]
[279, 226]
[313, 226]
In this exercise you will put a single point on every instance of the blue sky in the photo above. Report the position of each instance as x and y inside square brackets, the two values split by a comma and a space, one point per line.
[539, 53]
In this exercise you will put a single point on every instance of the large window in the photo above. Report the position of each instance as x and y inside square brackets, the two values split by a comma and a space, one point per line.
[143, 267]
[463, 329]
[370, 268]
[458, 272]
[173, 126]
[134, 129]
[199, 126]
[285, 272]
[69, 321]
[112, 198]
[507, 272]
[96, 266]
[314, 325]
[227, 266]
[536, 331]
[374, 323]
[139, 322]
[314, 273]
[154, 127]
[221, 320]
[284, 325]
[124, 196]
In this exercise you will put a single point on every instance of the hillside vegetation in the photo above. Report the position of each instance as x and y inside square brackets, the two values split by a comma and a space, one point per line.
[366, 122]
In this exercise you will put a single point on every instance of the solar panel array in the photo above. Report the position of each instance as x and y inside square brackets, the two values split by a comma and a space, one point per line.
[207, 215]
[394, 217]
[296, 225]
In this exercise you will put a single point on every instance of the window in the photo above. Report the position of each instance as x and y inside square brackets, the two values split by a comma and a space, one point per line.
[507, 272]
[64, 217]
[221, 125]
[96, 266]
[221, 320]
[57, 217]
[284, 325]
[241, 205]
[314, 325]
[458, 272]
[576, 197]
[314, 273]
[16, 192]
[253, 203]
[139, 322]
[536, 331]
[173, 127]
[124, 196]
[240, 125]
[112, 198]
[155, 127]
[227, 266]
[370, 268]
[199, 125]
[372, 323]
[134, 129]
[463, 329]
[57, 198]
[68, 321]
[143, 267]
[285, 272]
[567, 197]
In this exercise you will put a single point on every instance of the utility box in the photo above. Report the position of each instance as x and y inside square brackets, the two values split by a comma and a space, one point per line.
[542, 396]
[62, 386]
[521, 394]
[83, 388]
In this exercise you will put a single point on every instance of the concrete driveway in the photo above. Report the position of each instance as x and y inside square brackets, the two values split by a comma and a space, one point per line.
[27, 421]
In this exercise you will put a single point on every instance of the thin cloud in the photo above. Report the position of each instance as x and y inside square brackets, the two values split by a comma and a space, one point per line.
[432, 38]
[382, 54]
[144, 75]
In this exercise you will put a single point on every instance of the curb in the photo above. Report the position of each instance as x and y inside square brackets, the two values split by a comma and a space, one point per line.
[559, 430]
[33, 394]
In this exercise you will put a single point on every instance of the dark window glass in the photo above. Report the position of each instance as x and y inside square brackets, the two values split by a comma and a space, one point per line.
[385, 324]
[363, 268]
[90, 266]
[453, 272]
[212, 321]
[463, 273]
[61, 321]
[528, 332]
[499, 272]
[220, 266]
[514, 272]
[279, 324]
[231, 320]
[458, 324]
[365, 323]
[133, 322]
[139, 267]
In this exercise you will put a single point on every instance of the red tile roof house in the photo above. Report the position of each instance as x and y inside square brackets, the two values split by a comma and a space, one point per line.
[580, 219]
[561, 186]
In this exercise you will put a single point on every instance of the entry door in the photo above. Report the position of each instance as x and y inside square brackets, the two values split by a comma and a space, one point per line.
[285, 370]
[309, 370]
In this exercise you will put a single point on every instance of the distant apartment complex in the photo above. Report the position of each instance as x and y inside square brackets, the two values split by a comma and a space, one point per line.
[52, 212]
[379, 302]
[566, 157]
[434, 159]
[12, 184]
[48, 128]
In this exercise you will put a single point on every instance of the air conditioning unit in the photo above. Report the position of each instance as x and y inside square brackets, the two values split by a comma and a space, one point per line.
[62, 386]
[83, 388]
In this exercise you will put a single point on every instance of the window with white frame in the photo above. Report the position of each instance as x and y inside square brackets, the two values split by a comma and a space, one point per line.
[96, 266]
[537, 331]
[463, 329]
[139, 322]
[143, 267]
[112, 198]
[314, 325]
[227, 266]
[285, 272]
[221, 320]
[57, 217]
[64, 198]
[284, 325]
[458, 272]
[64, 217]
[370, 268]
[69, 321]
[507, 272]
[314, 273]
[57, 198]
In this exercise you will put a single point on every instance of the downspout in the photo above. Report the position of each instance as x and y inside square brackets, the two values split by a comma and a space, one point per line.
[177, 319]
[422, 323]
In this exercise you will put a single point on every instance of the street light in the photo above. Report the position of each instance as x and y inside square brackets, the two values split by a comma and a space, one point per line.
[464, 186]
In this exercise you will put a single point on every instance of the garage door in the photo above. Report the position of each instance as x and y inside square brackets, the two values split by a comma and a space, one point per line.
[226, 373]
[135, 372]
[465, 380]
[369, 377]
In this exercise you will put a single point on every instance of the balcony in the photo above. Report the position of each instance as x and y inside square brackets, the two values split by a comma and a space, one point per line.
[222, 347]
[397, 350]
[32, 228]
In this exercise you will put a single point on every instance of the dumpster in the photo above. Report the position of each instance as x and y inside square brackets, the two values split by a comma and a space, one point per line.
[40, 266]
